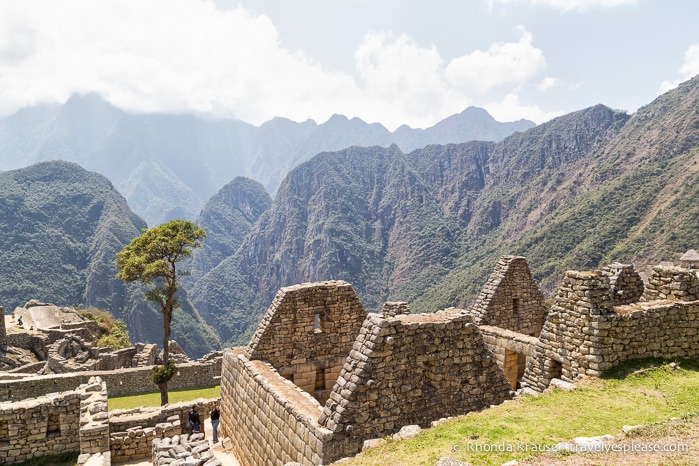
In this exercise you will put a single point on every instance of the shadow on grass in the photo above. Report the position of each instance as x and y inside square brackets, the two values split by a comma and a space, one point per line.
[640, 366]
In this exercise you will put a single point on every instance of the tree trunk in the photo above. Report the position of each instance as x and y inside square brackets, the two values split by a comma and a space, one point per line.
[163, 394]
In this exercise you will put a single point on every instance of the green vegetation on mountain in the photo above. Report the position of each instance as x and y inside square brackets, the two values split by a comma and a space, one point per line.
[578, 192]
[167, 166]
[113, 331]
[227, 218]
[62, 227]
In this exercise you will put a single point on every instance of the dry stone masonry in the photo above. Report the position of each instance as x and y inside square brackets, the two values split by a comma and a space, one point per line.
[307, 333]
[585, 334]
[183, 450]
[511, 299]
[36, 427]
[320, 376]
[625, 283]
[395, 371]
[408, 370]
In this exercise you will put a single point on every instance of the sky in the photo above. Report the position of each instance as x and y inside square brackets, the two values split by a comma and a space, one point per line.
[388, 61]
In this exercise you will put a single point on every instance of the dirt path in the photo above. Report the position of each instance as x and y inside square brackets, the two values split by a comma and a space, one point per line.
[227, 459]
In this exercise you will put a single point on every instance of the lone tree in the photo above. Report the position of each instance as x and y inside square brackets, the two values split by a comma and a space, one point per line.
[151, 258]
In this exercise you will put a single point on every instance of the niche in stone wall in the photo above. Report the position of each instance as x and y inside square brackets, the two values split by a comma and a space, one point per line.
[4, 433]
[554, 369]
[317, 325]
[53, 425]
[429, 375]
[320, 379]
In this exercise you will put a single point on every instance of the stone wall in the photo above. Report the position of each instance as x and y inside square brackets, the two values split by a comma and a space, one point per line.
[625, 283]
[511, 299]
[395, 308]
[190, 450]
[37, 343]
[412, 369]
[36, 427]
[121, 382]
[269, 419]
[585, 334]
[511, 349]
[94, 417]
[307, 333]
[408, 369]
[3, 330]
[672, 283]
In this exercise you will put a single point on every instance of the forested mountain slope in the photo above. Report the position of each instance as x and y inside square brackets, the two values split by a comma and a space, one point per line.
[580, 191]
[62, 227]
[167, 166]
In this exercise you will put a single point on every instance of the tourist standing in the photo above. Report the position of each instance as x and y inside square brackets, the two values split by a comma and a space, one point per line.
[215, 415]
[194, 419]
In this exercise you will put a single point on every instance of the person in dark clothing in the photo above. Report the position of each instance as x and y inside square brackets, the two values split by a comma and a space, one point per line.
[215, 415]
[194, 419]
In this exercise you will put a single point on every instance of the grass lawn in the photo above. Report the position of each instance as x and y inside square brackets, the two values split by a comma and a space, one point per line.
[153, 399]
[637, 392]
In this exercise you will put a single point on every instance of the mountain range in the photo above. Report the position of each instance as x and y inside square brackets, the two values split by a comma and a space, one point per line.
[62, 227]
[424, 226]
[580, 191]
[168, 166]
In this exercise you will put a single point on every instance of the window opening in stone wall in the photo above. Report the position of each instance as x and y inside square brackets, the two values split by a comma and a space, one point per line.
[320, 379]
[289, 377]
[317, 324]
[53, 425]
[4, 434]
[515, 305]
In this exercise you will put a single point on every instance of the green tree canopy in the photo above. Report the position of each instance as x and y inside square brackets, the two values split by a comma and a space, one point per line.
[151, 258]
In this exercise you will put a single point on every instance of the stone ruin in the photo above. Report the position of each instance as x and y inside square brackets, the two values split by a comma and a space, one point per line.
[78, 421]
[585, 334]
[321, 376]
[56, 340]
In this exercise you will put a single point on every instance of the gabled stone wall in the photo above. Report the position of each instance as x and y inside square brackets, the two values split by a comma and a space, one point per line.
[511, 299]
[408, 369]
[412, 369]
[625, 283]
[269, 420]
[307, 333]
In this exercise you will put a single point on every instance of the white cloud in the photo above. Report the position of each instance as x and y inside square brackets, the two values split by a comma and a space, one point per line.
[165, 55]
[547, 83]
[401, 78]
[503, 63]
[689, 68]
[571, 5]
[191, 57]
[510, 109]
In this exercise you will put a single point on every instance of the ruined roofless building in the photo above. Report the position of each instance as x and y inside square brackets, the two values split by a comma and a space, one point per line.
[291, 395]
[320, 377]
